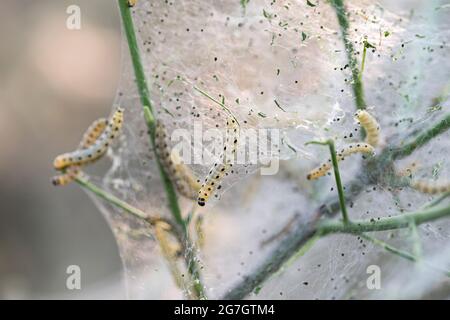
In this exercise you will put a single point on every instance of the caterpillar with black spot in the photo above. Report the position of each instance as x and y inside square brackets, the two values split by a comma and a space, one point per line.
[97, 149]
[180, 174]
[430, 187]
[93, 133]
[90, 136]
[220, 169]
[370, 125]
[352, 148]
[70, 175]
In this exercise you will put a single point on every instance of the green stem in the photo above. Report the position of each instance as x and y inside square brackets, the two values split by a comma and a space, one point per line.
[112, 199]
[383, 224]
[403, 254]
[436, 201]
[144, 94]
[338, 182]
[337, 176]
[358, 89]
[417, 245]
[442, 126]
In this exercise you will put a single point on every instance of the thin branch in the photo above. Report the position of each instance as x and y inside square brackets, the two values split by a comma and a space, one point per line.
[442, 126]
[383, 224]
[137, 213]
[144, 94]
[403, 254]
[358, 89]
[337, 176]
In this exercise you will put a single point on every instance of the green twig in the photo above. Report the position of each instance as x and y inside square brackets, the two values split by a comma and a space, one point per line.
[144, 94]
[417, 245]
[84, 183]
[383, 224]
[437, 200]
[403, 254]
[337, 176]
[358, 89]
[403, 151]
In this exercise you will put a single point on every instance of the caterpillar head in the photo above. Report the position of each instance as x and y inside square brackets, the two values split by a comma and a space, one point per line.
[61, 162]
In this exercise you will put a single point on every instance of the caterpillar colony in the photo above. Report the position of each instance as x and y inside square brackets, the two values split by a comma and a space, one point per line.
[94, 144]
[222, 168]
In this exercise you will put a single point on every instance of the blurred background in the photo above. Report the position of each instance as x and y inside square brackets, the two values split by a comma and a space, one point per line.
[53, 83]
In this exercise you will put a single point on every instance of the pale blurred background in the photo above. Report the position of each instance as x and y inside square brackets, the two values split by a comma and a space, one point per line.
[53, 83]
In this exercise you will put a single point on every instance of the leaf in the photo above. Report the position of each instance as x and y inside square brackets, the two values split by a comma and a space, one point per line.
[304, 36]
[309, 3]
[267, 15]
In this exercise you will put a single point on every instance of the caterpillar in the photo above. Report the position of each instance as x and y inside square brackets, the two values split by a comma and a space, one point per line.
[97, 149]
[219, 170]
[370, 124]
[430, 187]
[180, 174]
[64, 179]
[131, 3]
[93, 133]
[352, 148]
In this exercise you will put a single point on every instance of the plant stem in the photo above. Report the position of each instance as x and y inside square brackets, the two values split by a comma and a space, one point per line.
[442, 126]
[358, 89]
[436, 201]
[338, 182]
[113, 200]
[383, 224]
[337, 176]
[402, 253]
[144, 93]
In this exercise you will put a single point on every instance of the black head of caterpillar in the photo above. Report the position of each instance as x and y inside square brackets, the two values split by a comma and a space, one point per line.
[218, 171]
[70, 175]
[96, 150]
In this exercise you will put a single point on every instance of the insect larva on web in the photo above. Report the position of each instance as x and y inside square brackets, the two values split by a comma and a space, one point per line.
[430, 187]
[96, 150]
[180, 174]
[93, 133]
[220, 169]
[352, 148]
[370, 125]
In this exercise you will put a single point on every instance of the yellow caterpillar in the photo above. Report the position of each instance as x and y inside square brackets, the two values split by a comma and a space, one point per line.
[90, 136]
[219, 170]
[64, 179]
[352, 148]
[180, 174]
[132, 3]
[430, 187]
[97, 149]
[370, 125]
[93, 133]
